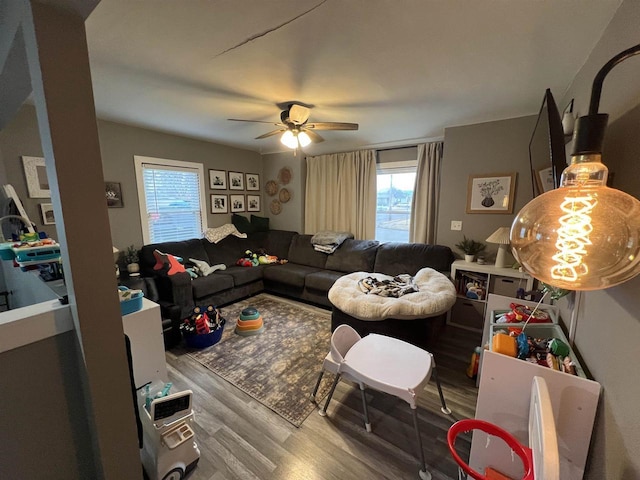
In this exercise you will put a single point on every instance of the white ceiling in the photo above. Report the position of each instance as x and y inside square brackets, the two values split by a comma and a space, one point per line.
[404, 70]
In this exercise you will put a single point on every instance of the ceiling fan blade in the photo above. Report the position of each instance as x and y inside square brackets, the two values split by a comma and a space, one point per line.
[298, 114]
[315, 138]
[271, 133]
[255, 121]
[332, 126]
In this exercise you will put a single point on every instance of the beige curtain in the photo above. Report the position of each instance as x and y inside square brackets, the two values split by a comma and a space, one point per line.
[424, 206]
[341, 193]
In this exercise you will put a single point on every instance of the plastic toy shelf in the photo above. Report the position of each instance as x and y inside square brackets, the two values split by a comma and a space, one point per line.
[27, 256]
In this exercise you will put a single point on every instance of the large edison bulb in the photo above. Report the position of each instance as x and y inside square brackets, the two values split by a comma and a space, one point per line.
[582, 235]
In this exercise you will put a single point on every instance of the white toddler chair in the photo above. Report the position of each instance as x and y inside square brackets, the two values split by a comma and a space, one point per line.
[385, 364]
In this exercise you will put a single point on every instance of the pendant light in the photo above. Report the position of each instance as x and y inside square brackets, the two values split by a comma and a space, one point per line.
[582, 235]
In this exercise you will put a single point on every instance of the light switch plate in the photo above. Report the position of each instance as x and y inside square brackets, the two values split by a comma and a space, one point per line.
[456, 225]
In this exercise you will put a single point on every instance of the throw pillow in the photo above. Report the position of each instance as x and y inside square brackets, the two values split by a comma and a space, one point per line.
[167, 263]
[242, 223]
[260, 224]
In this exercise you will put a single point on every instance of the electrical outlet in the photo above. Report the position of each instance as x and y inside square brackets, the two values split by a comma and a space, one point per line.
[456, 225]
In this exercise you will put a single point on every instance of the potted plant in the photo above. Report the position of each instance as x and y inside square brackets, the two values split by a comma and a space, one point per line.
[470, 248]
[131, 258]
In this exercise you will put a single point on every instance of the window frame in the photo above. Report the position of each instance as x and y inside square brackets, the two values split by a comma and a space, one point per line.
[139, 161]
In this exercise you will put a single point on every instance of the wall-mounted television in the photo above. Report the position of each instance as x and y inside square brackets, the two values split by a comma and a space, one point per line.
[546, 148]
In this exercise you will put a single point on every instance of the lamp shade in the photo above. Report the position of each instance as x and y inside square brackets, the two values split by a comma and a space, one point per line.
[304, 139]
[501, 235]
[289, 139]
[581, 236]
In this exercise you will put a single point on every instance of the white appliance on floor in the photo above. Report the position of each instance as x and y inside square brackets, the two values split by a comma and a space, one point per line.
[169, 450]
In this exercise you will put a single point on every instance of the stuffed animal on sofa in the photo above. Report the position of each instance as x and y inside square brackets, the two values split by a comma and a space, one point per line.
[202, 268]
[266, 259]
[167, 264]
[250, 259]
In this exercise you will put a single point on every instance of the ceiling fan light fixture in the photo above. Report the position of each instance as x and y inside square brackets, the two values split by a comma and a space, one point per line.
[289, 139]
[303, 139]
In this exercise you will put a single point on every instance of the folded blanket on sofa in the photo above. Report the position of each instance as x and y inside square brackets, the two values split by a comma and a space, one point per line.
[328, 241]
[214, 235]
[396, 287]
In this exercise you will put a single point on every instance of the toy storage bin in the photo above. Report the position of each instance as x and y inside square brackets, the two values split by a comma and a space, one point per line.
[6, 253]
[495, 314]
[34, 255]
[539, 330]
[204, 340]
[131, 305]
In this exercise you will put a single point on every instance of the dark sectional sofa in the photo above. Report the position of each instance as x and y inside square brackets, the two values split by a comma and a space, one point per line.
[307, 276]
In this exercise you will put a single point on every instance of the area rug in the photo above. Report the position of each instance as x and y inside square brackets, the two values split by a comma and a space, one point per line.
[280, 366]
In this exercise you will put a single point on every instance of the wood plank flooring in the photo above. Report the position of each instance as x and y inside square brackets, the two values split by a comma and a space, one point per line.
[241, 439]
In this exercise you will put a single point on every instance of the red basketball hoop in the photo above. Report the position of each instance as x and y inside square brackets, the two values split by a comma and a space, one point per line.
[489, 428]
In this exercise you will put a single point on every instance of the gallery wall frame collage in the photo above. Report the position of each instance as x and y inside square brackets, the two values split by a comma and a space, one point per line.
[234, 181]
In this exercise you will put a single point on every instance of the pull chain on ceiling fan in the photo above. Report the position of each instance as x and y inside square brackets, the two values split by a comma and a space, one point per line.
[295, 129]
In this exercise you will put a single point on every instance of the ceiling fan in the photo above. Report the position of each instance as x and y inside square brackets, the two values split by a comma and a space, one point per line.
[295, 128]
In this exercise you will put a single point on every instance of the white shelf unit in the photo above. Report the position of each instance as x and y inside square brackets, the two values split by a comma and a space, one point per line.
[503, 399]
[144, 329]
[469, 313]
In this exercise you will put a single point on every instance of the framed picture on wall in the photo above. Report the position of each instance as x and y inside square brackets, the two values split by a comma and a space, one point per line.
[544, 180]
[253, 203]
[113, 192]
[253, 181]
[491, 193]
[35, 173]
[237, 203]
[236, 181]
[219, 204]
[46, 209]
[217, 179]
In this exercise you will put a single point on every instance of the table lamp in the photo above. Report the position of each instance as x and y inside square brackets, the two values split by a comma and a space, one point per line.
[501, 237]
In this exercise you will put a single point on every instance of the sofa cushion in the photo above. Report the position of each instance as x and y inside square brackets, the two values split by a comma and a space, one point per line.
[322, 280]
[242, 224]
[260, 224]
[288, 274]
[185, 249]
[278, 243]
[395, 258]
[244, 275]
[353, 256]
[230, 249]
[301, 252]
[214, 283]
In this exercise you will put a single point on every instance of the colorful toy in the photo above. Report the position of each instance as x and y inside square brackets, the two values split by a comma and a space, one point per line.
[249, 322]
[167, 264]
[250, 259]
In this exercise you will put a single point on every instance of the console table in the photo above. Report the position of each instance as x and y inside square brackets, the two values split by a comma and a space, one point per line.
[474, 283]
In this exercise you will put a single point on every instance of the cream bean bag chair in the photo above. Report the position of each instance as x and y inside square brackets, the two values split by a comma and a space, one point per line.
[435, 296]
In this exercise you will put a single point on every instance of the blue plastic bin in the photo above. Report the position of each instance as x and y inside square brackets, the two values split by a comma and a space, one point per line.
[204, 340]
[131, 305]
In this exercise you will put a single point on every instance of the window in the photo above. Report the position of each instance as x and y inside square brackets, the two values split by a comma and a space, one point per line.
[395, 183]
[171, 196]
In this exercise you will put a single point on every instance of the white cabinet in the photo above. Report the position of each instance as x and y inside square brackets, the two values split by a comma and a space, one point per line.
[474, 282]
[144, 329]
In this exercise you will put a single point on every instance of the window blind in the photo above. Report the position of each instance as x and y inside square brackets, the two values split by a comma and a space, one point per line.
[172, 197]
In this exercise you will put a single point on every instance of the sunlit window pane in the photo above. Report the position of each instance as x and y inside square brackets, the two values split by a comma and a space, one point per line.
[393, 212]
